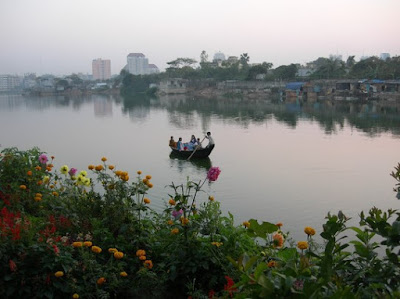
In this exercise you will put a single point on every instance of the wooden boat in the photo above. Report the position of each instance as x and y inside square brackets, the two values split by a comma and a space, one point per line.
[198, 154]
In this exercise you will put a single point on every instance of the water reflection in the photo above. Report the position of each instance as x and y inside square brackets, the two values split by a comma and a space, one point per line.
[372, 118]
[180, 162]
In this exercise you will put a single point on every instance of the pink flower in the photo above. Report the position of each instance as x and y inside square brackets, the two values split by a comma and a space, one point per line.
[43, 159]
[72, 171]
[213, 174]
[13, 266]
[177, 214]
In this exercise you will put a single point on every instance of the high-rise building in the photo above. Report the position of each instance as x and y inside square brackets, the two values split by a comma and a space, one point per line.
[101, 69]
[10, 82]
[138, 64]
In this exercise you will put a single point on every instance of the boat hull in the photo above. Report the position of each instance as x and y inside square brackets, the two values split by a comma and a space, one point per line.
[198, 154]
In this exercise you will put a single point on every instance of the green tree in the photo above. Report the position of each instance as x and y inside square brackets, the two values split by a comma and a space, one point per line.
[286, 72]
[258, 69]
[244, 60]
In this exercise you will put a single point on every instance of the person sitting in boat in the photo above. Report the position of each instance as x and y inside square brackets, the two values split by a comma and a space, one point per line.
[193, 140]
[172, 142]
[210, 139]
[179, 145]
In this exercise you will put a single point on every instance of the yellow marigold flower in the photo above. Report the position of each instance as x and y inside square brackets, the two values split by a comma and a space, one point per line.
[96, 249]
[146, 200]
[246, 224]
[170, 222]
[218, 244]
[91, 167]
[125, 178]
[104, 159]
[142, 257]
[77, 244]
[272, 264]
[83, 173]
[139, 172]
[309, 231]
[148, 264]
[101, 280]
[29, 173]
[51, 186]
[140, 252]
[111, 167]
[87, 244]
[59, 274]
[22, 187]
[211, 198]
[46, 179]
[38, 194]
[75, 296]
[123, 274]
[174, 231]
[86, 181]
[55, 193]
[279, 224]
[112, 250]
[148, 177]
[118, 255]
[38, 198]
[118, 172]
[64, 169]
[277, 240]
[172, 202]
[302, 245]
[38, 168]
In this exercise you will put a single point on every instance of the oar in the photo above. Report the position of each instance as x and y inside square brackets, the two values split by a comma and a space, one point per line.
[196, 148]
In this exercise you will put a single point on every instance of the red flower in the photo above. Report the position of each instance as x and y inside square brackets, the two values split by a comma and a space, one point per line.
[229, 285]
[213, 173]
[13, 266]
[211, 294]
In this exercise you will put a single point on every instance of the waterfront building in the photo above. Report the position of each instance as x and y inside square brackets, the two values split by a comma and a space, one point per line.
[101, 69]
[137, 64]
[10, 82]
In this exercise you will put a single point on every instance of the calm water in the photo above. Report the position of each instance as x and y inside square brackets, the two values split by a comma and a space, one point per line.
[287, 161]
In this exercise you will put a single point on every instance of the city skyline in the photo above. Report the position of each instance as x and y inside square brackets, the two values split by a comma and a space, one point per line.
[63, 37]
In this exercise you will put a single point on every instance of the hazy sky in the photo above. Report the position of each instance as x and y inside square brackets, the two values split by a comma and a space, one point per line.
[64, 36]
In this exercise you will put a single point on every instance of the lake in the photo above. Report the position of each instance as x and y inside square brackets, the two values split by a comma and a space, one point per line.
[284, 161]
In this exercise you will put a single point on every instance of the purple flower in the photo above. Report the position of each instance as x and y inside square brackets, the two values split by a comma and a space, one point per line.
[43, 159]
[213, 173]
[177, 214]
[72, 171]
[298, 285]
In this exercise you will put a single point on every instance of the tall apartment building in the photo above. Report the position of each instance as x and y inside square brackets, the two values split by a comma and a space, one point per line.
[10, 82]
[138, 64]
[101, 69]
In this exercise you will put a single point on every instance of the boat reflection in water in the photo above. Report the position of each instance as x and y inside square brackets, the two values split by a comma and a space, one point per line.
[180, 162]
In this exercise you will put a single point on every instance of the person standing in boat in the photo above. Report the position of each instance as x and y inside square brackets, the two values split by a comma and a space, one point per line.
[179, 145]
[210, 140]
[199, 146]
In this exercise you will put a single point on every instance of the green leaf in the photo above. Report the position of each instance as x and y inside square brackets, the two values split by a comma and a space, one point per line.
[250, 262]
[287, 254]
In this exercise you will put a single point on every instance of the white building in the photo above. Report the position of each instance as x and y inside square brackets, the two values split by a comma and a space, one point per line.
[137, 64]
[9, 82]
[153, 69]
[384, 56]
[219, 56]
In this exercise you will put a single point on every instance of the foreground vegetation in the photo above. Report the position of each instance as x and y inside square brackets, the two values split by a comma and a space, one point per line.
[93, 234]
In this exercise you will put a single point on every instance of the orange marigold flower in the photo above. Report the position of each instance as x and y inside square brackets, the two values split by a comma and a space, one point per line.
[91, 167]
[55, 193]
[39, 182]
[59, 274]
[123, 274]
[211, 198]
[111, 167]
[96, 249]
[170, 222]
[139, 172]
[101, 280]
[146, 200]
[309, 231]
[150, 185]
[118, 255]
[174, 231]
[279, 224]
[142, 257]
[99, 167]
[52, 157]
[277, 240]
[29, 172]
[140, 252]
[246, 224]
[38, 198]
[145, 181]
[87, 244]
[112, 250]
[22, 187]
[302, 245]
[77, 244]
[38, 194]
[38, 168]
[125, 178]
[172, 202]
[148, 264]
[148, 177]
[184, 221]
[48, 168]
[104, 159]
[118, 172]
[272, 264]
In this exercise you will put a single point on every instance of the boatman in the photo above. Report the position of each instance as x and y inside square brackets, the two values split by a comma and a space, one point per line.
[210, 139]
